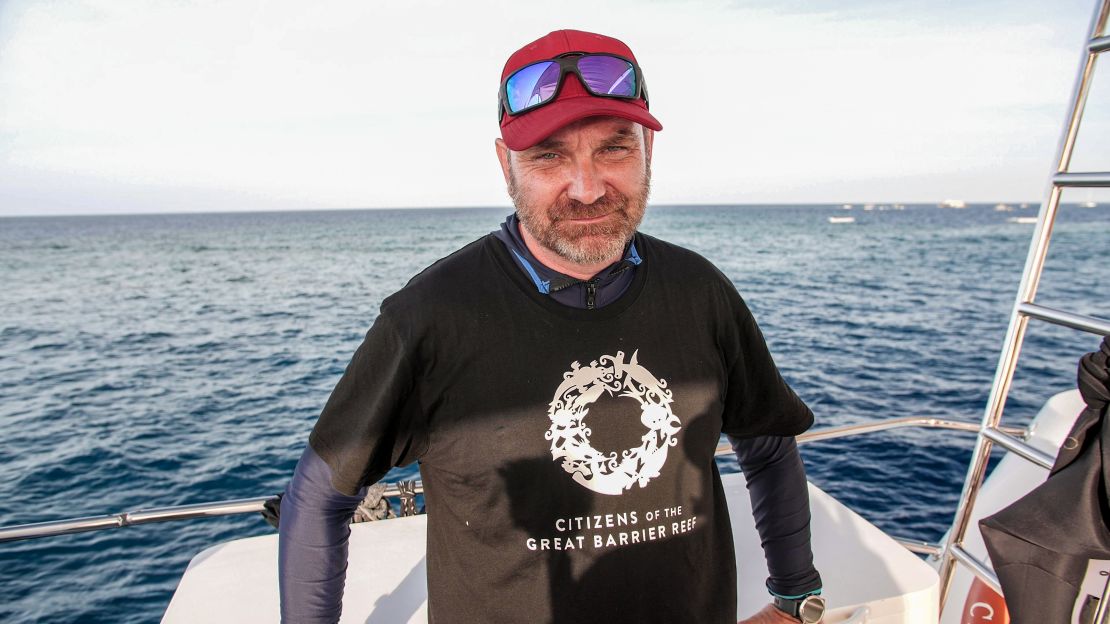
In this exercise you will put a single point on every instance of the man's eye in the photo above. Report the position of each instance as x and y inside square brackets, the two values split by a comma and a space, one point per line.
[616, 148]
[548, 156]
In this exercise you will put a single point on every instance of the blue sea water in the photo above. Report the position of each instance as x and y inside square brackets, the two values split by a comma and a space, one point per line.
[175, 359]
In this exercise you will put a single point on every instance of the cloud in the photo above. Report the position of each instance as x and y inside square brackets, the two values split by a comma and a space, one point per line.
[392, 104]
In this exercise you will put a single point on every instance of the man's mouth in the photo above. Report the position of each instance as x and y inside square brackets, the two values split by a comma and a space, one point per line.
[588, 220]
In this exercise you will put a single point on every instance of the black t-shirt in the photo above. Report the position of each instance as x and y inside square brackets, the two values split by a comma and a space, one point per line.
[567, 455]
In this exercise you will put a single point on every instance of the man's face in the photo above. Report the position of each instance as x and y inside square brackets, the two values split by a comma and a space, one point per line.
[582, 192]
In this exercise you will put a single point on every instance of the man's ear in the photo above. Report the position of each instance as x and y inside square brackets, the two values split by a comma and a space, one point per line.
[503, 157]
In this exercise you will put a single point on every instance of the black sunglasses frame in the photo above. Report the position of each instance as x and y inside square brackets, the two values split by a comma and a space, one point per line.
[569, 63]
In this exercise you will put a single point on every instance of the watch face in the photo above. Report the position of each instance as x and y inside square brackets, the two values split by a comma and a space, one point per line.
[811, 609]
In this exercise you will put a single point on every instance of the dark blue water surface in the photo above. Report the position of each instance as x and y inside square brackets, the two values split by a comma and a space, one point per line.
[164, 360]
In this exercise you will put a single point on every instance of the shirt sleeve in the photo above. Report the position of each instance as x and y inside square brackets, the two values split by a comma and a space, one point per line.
[372, 420]
[777, 486]
[313, 530]
[370, 423]
[758, 400]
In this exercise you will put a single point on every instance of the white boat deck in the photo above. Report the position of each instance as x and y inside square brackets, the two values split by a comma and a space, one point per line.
[862, 568]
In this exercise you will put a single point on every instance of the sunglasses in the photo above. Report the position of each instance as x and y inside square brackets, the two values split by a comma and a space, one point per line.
[603, 75]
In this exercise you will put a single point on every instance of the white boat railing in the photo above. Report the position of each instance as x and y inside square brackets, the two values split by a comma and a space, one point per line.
[257, 505]
[132, 518]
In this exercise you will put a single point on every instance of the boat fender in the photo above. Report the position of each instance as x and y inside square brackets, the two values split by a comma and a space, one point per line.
[984, 605]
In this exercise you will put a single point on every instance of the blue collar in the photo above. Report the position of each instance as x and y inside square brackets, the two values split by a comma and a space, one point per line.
[604, 288]
[548, 280]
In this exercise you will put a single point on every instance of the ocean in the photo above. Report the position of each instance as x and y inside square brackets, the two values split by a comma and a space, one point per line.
[156, 360]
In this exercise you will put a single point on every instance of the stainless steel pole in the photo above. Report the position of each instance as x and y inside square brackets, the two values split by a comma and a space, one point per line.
[1027, 291]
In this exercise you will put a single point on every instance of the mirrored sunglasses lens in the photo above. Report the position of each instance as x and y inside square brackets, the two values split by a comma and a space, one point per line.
[607, 75]
[532, 85]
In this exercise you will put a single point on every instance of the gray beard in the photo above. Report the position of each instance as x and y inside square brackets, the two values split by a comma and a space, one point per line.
[615, 234]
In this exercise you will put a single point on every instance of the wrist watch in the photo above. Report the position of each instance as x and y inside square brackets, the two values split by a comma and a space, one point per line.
[807, 609]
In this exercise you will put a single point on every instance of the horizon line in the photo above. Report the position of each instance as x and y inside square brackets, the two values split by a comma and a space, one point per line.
[853, 205]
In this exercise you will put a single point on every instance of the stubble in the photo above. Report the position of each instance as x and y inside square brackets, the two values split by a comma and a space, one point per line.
[583, 243]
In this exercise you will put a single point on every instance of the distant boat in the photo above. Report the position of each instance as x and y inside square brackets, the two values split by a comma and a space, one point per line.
[1022, 219]
[1003, 207]
[842, 219]
[846, 206]
[953, 203]
[1088, 204]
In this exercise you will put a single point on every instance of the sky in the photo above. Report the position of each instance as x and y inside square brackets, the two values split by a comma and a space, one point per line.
[111, 106]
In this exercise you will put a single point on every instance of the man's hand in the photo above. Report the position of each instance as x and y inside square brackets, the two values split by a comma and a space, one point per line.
[769, 615]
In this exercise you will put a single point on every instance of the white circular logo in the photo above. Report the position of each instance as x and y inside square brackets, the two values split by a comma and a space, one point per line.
[570, 438]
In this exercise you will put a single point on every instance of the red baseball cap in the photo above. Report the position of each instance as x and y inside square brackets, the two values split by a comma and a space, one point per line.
[573, 102]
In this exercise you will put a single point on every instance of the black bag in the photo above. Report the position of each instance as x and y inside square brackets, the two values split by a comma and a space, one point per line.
[1046, 543]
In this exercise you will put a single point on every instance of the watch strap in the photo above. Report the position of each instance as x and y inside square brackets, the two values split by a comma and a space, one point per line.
[788, 606]
[793, 605]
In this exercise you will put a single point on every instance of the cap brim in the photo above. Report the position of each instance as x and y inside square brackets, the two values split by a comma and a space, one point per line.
[521, 133]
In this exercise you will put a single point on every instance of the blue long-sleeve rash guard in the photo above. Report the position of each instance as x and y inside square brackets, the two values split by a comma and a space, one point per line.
[315, 518]
[780, 505]
[313, 528]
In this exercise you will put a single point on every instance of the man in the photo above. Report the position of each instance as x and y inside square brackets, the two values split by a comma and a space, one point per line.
[563, 383]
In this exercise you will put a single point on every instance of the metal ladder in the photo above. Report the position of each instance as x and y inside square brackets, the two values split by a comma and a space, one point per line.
[990, 431]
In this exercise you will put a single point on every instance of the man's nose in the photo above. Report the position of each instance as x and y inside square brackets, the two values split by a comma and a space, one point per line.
[586, 184]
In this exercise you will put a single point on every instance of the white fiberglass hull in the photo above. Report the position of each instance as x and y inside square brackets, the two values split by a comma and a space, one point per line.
[862, 569]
